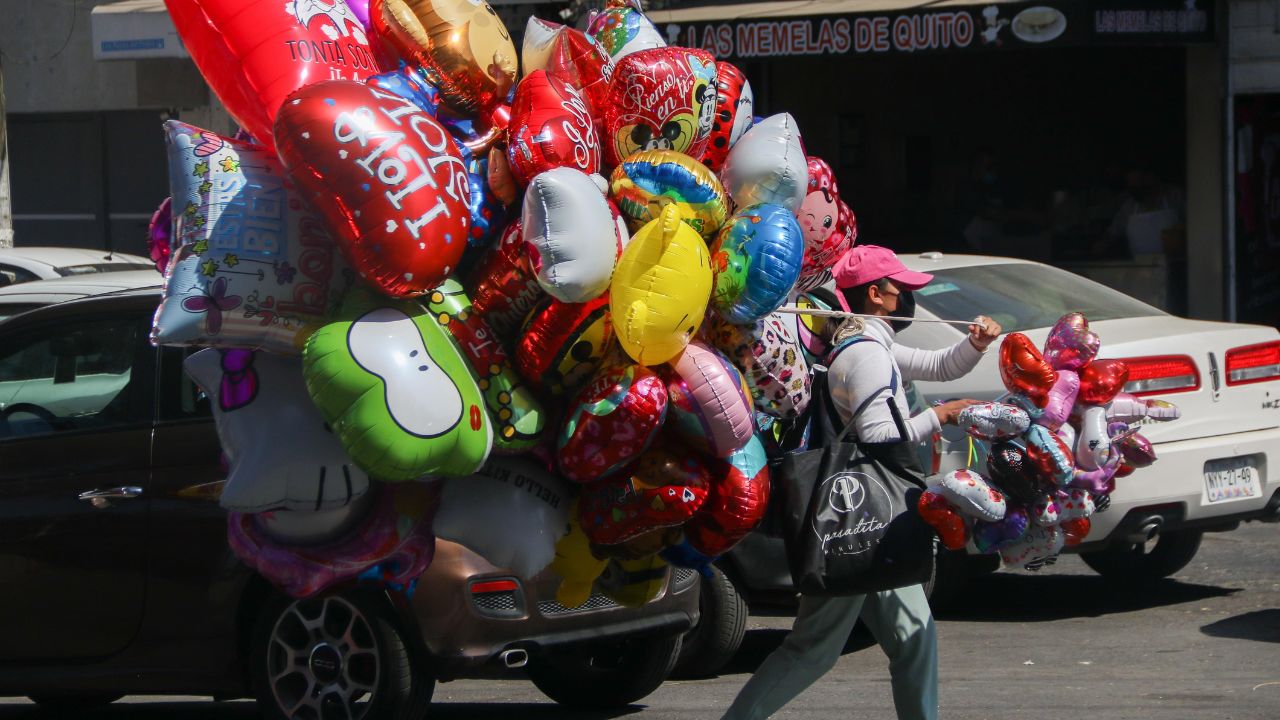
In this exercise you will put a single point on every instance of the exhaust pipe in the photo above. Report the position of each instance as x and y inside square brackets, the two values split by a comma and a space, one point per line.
[1146, 530]
[516, 658]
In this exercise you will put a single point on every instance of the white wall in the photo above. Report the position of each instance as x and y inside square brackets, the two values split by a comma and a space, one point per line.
[1255, 45]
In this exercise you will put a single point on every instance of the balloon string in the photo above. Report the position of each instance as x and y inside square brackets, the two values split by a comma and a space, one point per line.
[842, 314]
[973, 454]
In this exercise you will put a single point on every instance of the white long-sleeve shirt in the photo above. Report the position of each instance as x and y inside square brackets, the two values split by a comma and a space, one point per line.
[864, 369]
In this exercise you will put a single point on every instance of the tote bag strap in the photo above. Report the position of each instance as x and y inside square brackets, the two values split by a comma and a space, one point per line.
[892, 387]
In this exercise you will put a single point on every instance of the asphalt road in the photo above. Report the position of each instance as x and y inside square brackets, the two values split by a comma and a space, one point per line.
[1056, 644]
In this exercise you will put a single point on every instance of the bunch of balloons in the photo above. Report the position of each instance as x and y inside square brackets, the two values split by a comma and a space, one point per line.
[1057, 442]
[544, 298]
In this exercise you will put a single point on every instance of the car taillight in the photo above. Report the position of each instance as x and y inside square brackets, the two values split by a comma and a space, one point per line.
[1162, 374]
[500, 598]
[1253, 363]
[491, 586]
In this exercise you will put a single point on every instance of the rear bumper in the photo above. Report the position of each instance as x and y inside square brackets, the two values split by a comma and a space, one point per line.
[460, 629]
[1173, 489]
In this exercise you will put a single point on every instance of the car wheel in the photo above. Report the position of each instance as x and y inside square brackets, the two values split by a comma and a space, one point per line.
[335, 656]
[1152, 560]
[722, 623]
[75, 703]
[608, 674]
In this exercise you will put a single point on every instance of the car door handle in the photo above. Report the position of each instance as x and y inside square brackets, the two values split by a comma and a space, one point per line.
[123, 492]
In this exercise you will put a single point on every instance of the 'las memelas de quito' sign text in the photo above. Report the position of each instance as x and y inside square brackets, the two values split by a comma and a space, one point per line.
[992, 27]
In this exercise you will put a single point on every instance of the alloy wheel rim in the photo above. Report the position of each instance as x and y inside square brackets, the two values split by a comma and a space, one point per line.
[322, 661]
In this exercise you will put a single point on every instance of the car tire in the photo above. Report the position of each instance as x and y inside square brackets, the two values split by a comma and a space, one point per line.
[1137, 562]
[605, 675]
[722, 623]
[347, 658]
[64, 704]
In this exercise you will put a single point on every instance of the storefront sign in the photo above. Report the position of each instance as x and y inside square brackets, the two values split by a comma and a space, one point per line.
[991, 27]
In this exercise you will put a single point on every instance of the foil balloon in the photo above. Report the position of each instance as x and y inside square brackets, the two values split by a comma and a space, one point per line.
[771, 361]
[633, 583]
[1137, 450]
[659, 99]
[988, 536]
[828, 224]
[710, 404]
[1128, 408]
[649, 180]
[621, 28]
[575, 563]
[394, 389]
[395, 537]
[387, 178]
[1075, 503]
[1049, 455]
[1034, 548]
[1045, 512]
[515, 413]
[1101, 381]
[311, 527]
[579, 60]
[160, 234]
[1100, 481]
[550, 128]
[732, 117]
[1060, 401]
[409, 83]
[1093, 444]
[1068, 434]
[970, 494]
[1071, 345]
[504, 289]
[255, 54]
[488, 213]
[665, 489]
[1013, 473]
[756, 260]
[641, 546]
[562, 344]
[1075, 530]
[813, 333]
[572, 235]
[461, 45]
[255, 396]
[1023, 370]
[736, 504]
[511, 512]
[360, 8]
[612, 420]
[768, 165]
[253, 266]
[660, 289]
[938, 512]
[501, 182]
[993, 421]
[539, 38]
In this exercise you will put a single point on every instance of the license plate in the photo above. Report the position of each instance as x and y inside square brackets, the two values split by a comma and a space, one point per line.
[1231, 479]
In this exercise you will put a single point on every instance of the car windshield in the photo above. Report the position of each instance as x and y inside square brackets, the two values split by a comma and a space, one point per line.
[8, 310]
[1021, 296]
[91, 268]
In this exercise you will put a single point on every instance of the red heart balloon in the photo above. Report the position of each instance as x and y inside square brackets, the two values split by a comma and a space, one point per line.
[576, 58]
[504, 288]
[254, 54]
[1024, 370]
[1101, 381]
[660, 99]
[550, 128]
[662, 489]
[1076, 529]
[386, 176]
[943, 518]
[737, 502]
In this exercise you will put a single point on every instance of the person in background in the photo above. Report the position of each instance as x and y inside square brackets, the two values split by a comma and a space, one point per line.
[870, 279]
[1151, 221]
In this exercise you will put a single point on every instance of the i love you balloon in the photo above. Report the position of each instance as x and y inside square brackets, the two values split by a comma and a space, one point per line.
[387, 177]
[254, 54]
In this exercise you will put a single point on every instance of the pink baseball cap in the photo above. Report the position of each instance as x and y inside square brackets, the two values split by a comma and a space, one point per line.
[862, 264]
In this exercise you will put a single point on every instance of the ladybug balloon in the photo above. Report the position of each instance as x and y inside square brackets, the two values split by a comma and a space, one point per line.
[734, 101]
[388, 179]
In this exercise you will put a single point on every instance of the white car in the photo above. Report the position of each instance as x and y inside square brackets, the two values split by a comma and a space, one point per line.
[1213, 468]
[19, 298]
[25, 264]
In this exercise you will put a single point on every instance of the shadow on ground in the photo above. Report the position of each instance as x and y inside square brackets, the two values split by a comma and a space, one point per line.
[202, 709]
[1017, 597]
[1261, 625]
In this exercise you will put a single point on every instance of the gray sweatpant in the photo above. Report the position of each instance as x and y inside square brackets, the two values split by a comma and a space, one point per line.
[902, 624]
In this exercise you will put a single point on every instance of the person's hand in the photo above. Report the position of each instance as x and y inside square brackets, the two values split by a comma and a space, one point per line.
[948, 411]
[983, 332]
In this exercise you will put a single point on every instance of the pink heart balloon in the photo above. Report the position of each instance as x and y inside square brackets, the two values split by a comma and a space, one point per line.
[1071, 345]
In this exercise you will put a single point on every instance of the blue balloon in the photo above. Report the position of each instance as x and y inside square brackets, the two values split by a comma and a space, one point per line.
[410, 84]
[756, 259]
[683, 555]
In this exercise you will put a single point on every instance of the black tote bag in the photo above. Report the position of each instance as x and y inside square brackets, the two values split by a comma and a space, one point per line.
[847, 510]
